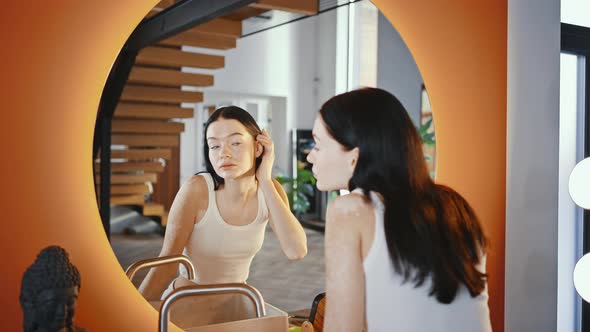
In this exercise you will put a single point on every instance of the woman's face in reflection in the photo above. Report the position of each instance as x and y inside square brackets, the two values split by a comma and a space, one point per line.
[232, 150]
[333, 166]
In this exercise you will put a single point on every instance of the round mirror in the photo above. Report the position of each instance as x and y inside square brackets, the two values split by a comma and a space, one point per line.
[278, 64]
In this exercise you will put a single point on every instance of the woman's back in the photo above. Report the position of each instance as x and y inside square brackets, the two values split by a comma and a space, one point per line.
[395, 305]
[419, 251]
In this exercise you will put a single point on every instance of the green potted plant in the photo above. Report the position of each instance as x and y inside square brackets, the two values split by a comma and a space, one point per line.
[299, 190]
[426, 132]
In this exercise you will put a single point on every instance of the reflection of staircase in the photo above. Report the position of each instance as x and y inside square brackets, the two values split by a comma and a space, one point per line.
[145, 156]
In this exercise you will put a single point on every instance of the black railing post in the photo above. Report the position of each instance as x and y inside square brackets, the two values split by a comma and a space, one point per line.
[105, 174]
[108, 102]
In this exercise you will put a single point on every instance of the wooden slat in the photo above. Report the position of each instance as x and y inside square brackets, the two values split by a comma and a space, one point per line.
[127, 200]
[170, 57]
[159, 95]
[160, 6]
[131, 178]
[164, 219]
[166, 189]
[221, 27]
[127, 189]
[201, 39]
[307, 7]
[154, 11]
[141, 154]
[146, 140]
[167, 77]
[146, 166]
[163, 4]
[153, 209]
[151, 111]
[244, 13]
[146, 126]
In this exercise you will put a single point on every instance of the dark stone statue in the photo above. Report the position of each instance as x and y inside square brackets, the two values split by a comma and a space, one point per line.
[49, 292]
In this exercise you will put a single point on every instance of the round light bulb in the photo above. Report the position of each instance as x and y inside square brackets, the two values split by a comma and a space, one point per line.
[579, 184]
[582, 277]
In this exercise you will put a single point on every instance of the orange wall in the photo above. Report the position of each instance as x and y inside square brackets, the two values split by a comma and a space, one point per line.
[55, 59]
[460, 49]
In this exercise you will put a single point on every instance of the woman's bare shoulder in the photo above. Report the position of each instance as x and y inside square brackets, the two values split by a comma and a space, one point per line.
[350, 223]
[196, 184]
[195, 190]
[351, 206]
[192, 199]
[348, 215]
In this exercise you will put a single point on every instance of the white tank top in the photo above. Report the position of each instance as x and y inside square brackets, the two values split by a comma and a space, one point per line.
[392, 305]
[220, 252]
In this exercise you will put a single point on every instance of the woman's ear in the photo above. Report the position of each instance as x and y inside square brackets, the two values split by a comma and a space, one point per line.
[259, 149]
[354, 157]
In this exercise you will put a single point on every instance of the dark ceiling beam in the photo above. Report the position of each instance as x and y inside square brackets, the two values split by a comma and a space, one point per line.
[180, 17]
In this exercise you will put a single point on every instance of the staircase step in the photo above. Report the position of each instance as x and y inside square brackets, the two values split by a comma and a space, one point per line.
[151, 111]
[141, 154]
[153, 209]
[168, 77]
[145, 140]
[164, 219]
[127, 200]
[143, 225]
[146, 166]
[159, 95]
[221, 27]
[306, 7]
[201, 39]
[131, 178]
[169, 57]
[244, 13]
[146, 126]
[127, 189]
[125, 218]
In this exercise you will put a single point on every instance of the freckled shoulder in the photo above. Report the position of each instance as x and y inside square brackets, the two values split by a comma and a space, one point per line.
[351, 206]
[196, 183]
[196, 189]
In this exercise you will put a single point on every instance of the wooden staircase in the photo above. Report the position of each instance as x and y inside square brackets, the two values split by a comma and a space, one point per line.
[144, 121]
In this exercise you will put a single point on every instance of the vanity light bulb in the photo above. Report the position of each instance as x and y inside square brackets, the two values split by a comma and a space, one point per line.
[582, 277]
[579, 184]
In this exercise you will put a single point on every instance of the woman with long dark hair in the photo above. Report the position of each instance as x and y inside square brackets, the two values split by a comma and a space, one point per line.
[402, 252]
[218, 218]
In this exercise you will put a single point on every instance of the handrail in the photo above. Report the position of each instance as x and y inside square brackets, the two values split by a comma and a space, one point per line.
[157, 261]
[196, 290]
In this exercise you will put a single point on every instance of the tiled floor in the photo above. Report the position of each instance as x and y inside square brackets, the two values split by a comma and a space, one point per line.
[288, 285]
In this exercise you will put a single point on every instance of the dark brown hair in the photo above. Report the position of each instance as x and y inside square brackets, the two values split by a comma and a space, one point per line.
[431, 230]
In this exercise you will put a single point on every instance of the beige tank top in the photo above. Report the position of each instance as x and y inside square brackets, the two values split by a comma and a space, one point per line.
[220, 252]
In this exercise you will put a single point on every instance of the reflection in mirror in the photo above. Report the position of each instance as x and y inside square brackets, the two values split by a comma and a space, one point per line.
[279, 65]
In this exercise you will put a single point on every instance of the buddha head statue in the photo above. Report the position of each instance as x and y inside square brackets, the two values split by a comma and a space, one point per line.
[49, 292]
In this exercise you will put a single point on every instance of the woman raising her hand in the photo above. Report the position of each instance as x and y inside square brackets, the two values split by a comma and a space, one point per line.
[218, 218]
